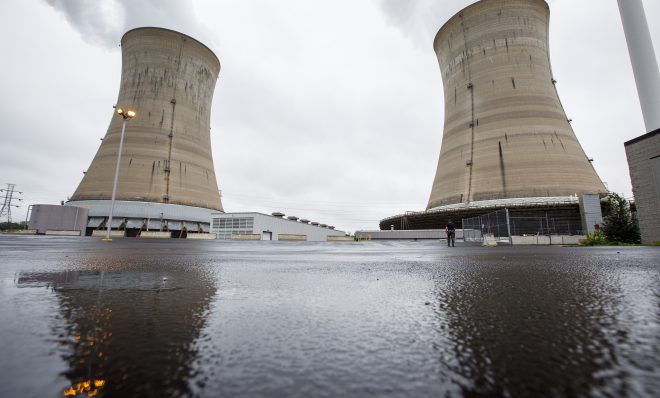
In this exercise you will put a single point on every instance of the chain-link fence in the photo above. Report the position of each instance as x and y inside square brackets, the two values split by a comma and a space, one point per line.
[544, 225]
[495, 223]
[503, 224]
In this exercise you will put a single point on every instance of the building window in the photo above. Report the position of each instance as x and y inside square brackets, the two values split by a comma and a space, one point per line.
[226, 227]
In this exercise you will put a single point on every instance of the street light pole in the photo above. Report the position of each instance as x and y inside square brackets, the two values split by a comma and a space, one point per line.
[126, 116]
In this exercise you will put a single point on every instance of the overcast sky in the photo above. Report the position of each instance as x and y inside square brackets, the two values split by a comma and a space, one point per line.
[327, 110]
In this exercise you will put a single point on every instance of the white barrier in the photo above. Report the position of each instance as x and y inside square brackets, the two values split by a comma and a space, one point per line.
[62, 233]
[547, 240]
[102, 233]
[155, 235]
[201, 236]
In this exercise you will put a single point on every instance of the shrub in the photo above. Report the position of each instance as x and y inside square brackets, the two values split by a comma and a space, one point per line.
[619, 223]
[596, 238]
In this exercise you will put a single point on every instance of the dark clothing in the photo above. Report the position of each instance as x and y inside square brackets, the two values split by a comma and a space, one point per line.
[451, 234]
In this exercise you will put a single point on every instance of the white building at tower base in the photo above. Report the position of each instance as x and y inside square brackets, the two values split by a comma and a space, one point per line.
[259, 226]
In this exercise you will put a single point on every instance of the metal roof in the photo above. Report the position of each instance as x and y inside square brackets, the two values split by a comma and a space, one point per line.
[498, 203]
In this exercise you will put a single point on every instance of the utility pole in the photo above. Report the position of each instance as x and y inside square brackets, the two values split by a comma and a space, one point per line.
[10, 194]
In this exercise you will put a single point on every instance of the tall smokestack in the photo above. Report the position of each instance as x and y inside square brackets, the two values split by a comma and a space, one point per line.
[644, 63]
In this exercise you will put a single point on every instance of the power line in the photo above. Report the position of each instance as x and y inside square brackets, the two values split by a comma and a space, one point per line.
[10, 193]
[285, 201]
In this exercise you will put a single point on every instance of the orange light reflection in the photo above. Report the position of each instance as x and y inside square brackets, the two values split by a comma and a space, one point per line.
[89, 388]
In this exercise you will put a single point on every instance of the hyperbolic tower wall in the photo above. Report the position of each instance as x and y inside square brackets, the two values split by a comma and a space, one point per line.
[168, 78]
[506, 134]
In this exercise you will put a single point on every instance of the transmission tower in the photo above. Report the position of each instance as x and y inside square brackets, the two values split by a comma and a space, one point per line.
[10, 194]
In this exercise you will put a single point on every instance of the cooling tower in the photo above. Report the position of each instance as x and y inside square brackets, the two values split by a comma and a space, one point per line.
[506, 134]
[166, 170]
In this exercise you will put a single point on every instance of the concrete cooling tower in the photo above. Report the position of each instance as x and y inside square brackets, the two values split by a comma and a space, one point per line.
[506, 134]
[507, 139]
[166, 175]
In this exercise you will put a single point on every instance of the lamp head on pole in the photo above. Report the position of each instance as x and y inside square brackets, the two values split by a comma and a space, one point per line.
[126, 114]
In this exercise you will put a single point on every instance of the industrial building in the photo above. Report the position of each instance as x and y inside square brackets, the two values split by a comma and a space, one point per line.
[258, 226]
[507, 142]
[644, 163]
[58, 220]
[166, 175]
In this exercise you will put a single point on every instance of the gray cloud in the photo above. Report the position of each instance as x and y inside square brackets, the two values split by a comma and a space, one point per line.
[420, 19]
[103, 22]
[99, 22]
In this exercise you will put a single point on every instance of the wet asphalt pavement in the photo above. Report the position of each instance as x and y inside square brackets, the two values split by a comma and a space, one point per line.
[273, 319]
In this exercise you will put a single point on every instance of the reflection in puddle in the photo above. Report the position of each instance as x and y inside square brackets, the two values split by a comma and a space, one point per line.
[128, 333]
[89, 388]
[531, 332]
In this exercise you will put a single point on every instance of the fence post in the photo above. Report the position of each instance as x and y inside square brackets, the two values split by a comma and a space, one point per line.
[508, 226]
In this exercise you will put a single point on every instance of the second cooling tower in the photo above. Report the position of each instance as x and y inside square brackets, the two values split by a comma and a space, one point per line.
[166, 175]
[506, 134]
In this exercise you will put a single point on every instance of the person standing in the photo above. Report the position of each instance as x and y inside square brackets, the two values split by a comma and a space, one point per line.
[450, 229]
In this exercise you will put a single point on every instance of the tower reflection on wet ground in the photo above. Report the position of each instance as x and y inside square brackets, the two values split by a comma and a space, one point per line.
[120, 329]
[137, 318]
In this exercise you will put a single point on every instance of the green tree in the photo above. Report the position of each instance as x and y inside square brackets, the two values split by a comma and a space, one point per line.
[619, 223]
[14, 225]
